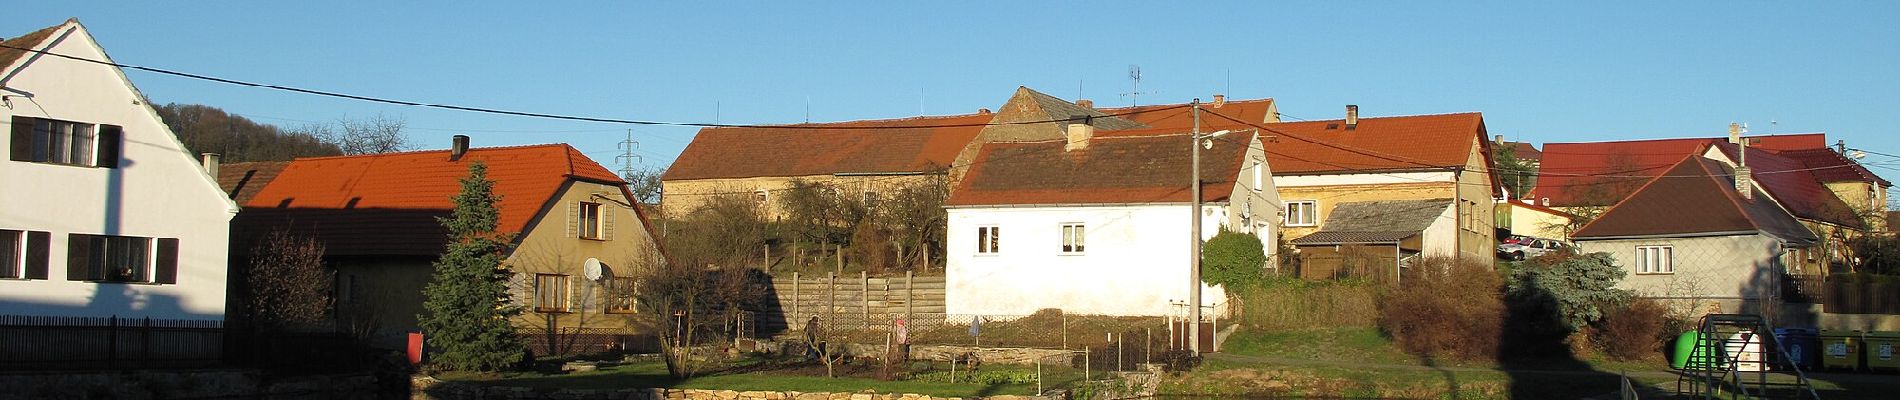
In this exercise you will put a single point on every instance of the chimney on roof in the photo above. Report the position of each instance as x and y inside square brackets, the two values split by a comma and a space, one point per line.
[1219, 100]
[1499, 139]
[1085, 103]
[1734, 133]
[982, 111]
[459, 147]
[1081, 129]
[1352, 116]
[1744, 177]
[211, 164]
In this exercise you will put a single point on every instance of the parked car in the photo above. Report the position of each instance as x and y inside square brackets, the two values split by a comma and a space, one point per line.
[1526, 247]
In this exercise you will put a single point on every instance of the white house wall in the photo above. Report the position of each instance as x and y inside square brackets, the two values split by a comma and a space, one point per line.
[1440, 239]
[158, 191]
[1389, 178]
[1135, 263]
[1715, 267]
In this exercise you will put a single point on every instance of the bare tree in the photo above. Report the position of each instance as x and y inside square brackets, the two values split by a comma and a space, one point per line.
[645, 184]
[374, 135]
[289, 288]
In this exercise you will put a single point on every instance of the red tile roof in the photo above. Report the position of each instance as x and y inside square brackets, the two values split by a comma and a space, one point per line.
[1830, 166]
[1375, 144]
[1601, 173]
[917, 144]
[412, 187]
[1525, 151]
[242, 181]
[1791, 184]
[1140, 166]
[30, 40]
[1696, 196]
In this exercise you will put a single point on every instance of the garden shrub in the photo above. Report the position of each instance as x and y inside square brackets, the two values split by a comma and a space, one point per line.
[1634, 330]
[1293, 303]
[1445, 308]
[1233, 259]
[1581, 287]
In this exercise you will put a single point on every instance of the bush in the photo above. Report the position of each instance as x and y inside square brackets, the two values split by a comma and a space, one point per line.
[1233, 259]
[1580, 287]
[1445, 308]
[1295, 303]
[1634, 330]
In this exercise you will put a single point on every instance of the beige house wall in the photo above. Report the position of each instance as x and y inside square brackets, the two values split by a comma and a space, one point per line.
[1528, 222]
[1329, 196]
[1867, 200]
[1477, 229]
[551, 245]
[681, 197]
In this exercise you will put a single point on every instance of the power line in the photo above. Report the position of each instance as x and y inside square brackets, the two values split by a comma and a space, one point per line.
[1133, 110]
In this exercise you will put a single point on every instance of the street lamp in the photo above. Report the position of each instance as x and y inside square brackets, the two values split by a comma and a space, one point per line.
[1194, 207]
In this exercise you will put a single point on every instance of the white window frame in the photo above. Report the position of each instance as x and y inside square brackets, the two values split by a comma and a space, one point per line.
[988, 240]
[1259, 176]
[1074, 238]
[1311, 213]
[762, 196]
[1655, 259]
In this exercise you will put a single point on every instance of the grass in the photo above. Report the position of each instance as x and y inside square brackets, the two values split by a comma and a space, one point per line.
[1357, 344]
[767, 375]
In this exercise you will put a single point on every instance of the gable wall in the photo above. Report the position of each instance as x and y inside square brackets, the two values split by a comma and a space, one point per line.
[158, 191]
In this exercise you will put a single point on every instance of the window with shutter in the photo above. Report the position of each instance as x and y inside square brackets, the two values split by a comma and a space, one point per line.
[573, 219]
[122, 259]
[576, 293]
[607, 223]
[588, 220]
[38, 254]
[50, 141]
[620, 295]
[550, 293]
[12, 254]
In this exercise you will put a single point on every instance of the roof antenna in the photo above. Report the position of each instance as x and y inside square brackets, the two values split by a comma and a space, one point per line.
[920, 101]
[716, 111]
[808, 109]
[1134, 97]
[626, 157]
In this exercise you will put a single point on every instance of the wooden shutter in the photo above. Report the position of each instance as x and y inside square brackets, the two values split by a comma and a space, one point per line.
[37, 257]
[576, 293]
[521, 291]
[573, 219]
[79, 257]
[167, 270]
[607, 216]
[21, 145]
[111, 139]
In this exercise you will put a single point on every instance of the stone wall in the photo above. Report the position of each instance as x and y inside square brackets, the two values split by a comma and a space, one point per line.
[428, 388]
[183, 385]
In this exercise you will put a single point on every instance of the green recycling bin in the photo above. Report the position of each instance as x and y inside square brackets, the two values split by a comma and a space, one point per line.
[1881, 347]
[1686, 356]
[1841, 349]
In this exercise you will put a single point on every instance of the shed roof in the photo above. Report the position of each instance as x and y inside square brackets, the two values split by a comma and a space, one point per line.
[1387, 221]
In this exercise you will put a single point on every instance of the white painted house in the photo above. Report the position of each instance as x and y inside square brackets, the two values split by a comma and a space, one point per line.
[1097, 223]
[104, 213]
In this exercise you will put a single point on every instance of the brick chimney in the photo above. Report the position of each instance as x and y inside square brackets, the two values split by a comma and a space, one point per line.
[458, 148]
[1734, 133]
[1081, 129]
[982, 111]
[1744, 177]
[1086, 103]
[1352, 116]
[1219, 100]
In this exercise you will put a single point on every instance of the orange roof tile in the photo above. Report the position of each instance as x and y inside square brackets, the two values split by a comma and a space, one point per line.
[1376, 144]
[525, 177]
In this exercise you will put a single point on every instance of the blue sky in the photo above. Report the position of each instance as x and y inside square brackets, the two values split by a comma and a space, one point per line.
[1539, 72]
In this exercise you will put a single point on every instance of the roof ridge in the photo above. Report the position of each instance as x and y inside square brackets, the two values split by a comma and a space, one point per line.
[1721, 138]
[1444, 114]
[416, 152]
[1632, 194]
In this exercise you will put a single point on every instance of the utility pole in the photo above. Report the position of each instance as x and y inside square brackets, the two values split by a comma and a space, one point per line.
[1194, 249]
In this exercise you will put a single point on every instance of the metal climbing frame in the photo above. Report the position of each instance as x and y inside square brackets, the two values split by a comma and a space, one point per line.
[1738, 354]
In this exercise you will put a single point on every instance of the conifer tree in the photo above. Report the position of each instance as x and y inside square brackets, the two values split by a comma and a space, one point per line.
[467, 304]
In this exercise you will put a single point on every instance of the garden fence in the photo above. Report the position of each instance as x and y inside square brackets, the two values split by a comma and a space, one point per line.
[39, 342]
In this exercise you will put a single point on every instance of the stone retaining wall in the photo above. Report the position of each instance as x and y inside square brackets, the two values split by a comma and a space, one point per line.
[429, 388]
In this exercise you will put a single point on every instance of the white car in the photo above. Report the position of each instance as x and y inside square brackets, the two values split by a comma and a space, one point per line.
[1524, 248]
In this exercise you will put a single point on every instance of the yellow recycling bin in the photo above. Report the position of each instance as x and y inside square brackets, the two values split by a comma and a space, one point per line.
[1881, 347]
[1841, 349]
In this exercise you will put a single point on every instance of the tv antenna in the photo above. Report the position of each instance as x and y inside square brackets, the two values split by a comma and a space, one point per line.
[626, 158]
[1134, 75]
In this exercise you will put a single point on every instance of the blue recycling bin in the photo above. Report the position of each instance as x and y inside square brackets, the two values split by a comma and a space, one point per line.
[1803, 346]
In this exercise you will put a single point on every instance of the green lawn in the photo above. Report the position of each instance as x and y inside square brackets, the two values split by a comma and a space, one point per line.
[926, 378]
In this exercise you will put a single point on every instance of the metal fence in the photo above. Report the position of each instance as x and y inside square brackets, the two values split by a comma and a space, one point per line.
[37, 342]
[1049, 329]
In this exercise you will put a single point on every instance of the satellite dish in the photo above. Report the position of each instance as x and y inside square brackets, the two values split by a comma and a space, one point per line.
[594, 270]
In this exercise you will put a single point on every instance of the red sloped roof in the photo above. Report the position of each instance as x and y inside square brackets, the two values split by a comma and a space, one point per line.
[1525, 151]
[1601, 173]
[1789, 181]
[525, 177]
[755, 152]
[8, 54]
[1376, 144]
[1829, 166]
[916, 144]
[1141, 166]
[1696, 195]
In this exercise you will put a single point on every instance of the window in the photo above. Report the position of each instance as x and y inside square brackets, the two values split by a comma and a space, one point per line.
[589, 221]
[620, 295]
[986, 239]
[61, 142]
[1301, 213]
[1655, 259]
[1072, 238]
[1259, 176]
[550, 293]
[870, 199]
[760, 196]
[121, 259]
[12, 253]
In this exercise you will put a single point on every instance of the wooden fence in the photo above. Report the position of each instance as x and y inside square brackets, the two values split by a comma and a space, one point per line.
[1845, 296]
[850, 302]
[36, 342]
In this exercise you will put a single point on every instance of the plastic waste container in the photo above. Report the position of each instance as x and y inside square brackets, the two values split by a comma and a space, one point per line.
[1881, 347]
[1802, 346]
[1744, 350]
[1688, 356]
[1841, 349]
